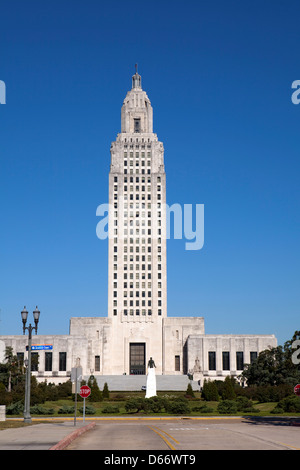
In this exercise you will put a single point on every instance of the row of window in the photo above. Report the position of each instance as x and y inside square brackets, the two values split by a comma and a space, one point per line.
[137, 154]
[137, 267]
[137, 276]
[137, 240]
[137, 163]
[137, 171]
[137, 248]
[137, 214]
[139, 312]
[138, 303]
[226, 360]
[137, 197]
[62, 361]
[138, 205]
[137, 179]
[137, 285]
[137, 293]
[143, 141]
[137, 188]
[138, 232]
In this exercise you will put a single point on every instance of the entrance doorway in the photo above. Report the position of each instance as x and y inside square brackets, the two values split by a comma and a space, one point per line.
[137, 358]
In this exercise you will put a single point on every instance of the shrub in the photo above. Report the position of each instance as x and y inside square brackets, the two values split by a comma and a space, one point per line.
[227, 407]
[190, 392]
[178, 406]
[268, 393]
[89, 410]
[66, 410]
[15, 408]
[245, 405]
[110, 409]
[156, 404]
[288, 405]
[135, 405]
[41, 410]
[202, 409]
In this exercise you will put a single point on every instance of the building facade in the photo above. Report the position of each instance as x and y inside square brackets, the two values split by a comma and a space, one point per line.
[137, 326]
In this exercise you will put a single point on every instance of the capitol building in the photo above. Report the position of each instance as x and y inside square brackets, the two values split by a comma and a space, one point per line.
[116, 349]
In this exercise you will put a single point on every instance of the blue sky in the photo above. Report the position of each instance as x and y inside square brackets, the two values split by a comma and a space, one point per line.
[219, 77]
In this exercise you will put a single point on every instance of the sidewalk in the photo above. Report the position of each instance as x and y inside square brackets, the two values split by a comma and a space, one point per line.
[42, 436]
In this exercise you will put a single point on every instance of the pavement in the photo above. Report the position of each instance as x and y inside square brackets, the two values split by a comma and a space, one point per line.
[53, 434]
[43, 436]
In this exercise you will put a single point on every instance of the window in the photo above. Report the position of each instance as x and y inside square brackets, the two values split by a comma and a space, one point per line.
[48, 361]
[97, 363]
[137, 125]
[34, 361]
[20, 357]
[226, 360]
[239, 360]
[177, 363]
[62, 361]
[253, 356]
[212, 360]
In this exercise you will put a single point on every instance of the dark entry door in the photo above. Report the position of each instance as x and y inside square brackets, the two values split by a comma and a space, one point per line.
[137, 358]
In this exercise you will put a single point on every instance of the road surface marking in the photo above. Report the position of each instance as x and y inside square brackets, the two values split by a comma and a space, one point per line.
[159, 432]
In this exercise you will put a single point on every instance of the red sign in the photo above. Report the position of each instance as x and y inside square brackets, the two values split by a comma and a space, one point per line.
[85, 391]
[297, 390]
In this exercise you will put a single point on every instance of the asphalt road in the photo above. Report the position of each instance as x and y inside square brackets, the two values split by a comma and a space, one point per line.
[190, 434]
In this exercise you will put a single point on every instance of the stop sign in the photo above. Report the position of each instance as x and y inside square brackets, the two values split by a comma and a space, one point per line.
[297, 390]
[85, 391]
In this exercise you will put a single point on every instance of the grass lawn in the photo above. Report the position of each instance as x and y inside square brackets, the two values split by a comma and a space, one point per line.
[117, 400]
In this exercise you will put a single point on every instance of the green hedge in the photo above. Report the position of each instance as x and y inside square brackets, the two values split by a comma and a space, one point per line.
[287, 405]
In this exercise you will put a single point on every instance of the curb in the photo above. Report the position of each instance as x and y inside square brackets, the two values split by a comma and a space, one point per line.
[61, 445]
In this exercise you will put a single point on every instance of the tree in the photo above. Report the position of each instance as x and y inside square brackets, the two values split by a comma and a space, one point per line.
[10, 369]
[96, 394]
[190, 391]
[228, 390]
[210, 391]
[274, 366]
[105, 392]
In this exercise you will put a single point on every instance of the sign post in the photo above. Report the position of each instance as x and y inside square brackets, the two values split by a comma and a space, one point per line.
[76, 376]
[85, 392]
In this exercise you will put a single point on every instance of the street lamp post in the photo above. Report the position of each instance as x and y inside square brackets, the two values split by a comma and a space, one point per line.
[30, 328]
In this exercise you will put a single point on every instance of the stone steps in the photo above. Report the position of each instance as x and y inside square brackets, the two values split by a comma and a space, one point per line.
[135, 382]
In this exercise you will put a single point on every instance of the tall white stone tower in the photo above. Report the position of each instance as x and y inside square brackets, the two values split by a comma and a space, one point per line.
[137, 281]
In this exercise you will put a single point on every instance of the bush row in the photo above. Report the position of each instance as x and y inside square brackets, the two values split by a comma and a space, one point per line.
[229, 390]
[287, 405]
[157, 404]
